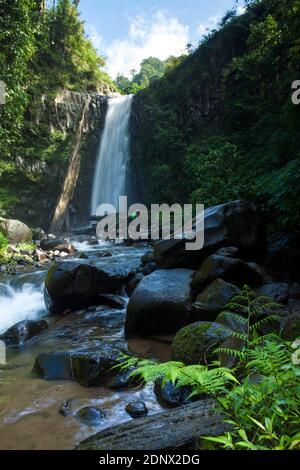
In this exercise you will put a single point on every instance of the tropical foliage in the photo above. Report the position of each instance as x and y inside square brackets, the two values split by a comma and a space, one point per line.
[259, 398]
[221, 124]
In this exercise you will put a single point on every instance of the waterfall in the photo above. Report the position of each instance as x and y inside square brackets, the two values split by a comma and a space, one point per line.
[22, 298]
[114, 155]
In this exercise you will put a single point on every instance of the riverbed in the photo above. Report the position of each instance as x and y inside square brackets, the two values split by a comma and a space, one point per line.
[30, 417]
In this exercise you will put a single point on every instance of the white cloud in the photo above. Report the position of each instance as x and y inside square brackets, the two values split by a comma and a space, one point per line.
[212, 23]
[94, 36]
[160, 36]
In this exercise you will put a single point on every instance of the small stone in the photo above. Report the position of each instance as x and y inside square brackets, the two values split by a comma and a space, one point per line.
[90, 416]
[136, 409]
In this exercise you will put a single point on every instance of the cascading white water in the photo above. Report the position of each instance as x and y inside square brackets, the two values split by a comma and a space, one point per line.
[114, 155]
[22, 299]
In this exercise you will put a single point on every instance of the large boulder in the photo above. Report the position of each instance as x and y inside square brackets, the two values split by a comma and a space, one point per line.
[196, 343]
[88, 368]
[236, 224]
[73, 285]
[233, 270]
[23, 331]
[15, 231]
[212, 300]
[160, 304]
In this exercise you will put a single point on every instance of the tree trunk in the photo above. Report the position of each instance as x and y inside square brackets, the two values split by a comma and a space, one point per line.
[61, 211]
[173, 429]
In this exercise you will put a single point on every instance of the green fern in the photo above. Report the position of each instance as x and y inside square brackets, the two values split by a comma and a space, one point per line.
[247, 311]
[202, 379]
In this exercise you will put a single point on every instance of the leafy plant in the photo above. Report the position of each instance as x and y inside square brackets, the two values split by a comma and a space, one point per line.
[264, 410]
[3, 243]
[250, 314]
[260, 398]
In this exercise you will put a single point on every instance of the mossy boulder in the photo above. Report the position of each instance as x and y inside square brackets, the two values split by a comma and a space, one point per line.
[196, 343]
[15, 231]
[213, 299]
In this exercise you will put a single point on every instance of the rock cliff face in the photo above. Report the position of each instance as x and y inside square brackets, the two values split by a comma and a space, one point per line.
[51, 116]
[63, 112]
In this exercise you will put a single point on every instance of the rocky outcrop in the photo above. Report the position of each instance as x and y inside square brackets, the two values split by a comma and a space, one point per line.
[62, 113]
[52, 117]
[235, 224]
[160, 304]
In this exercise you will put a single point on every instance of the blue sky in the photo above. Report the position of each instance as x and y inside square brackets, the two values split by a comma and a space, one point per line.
[127, 31]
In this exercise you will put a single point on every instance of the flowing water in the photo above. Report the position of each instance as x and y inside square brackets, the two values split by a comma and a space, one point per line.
[21, 298]
[29, 406]
[110, 181]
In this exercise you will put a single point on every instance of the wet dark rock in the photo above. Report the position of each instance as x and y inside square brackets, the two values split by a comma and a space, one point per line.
[196, 343]
[149, 268]
[173, 396]
[89, 368]
[212, 300]
[148, 257]
[235, 223]
[50, 244]
[133, 283]
[232, 270]
[90, 416]
[124, 381]
[160, 304]
[23, 331]
[136, 409]
[277, 291]
[113, 301]
[74, 285]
